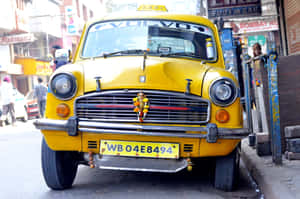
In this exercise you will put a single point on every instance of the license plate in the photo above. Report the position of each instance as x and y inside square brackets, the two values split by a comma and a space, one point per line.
[139, 149]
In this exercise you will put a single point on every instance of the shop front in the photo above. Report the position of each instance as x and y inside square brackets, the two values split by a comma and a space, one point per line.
[260, 31]
[15, 72]
[32, 69]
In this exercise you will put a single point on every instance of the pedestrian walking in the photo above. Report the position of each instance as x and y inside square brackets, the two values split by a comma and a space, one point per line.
[7, 97]
[40, 92]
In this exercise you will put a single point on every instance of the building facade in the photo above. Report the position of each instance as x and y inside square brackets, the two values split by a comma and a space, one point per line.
[75, 14]
[289, 13]
[31, 28]
[14, 30]
[253, 21]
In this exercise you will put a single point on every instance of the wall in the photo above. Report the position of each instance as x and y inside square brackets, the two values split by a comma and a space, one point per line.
[7, 13]
[289, 91]
[45, 17]
[292, 15]
[5, 57]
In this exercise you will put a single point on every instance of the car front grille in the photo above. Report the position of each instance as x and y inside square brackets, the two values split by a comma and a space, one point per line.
[165, 107]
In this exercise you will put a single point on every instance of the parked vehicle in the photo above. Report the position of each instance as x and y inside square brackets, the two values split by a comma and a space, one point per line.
[32, 105]
[144, 93]
[19, 105]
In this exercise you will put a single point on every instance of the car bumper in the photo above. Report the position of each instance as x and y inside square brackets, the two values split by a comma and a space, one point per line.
[72, 126]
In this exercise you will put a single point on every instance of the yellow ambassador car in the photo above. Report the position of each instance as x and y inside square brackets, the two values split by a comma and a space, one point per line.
[144, 93]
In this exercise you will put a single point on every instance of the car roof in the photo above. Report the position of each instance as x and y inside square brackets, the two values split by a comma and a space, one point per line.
[155, 15]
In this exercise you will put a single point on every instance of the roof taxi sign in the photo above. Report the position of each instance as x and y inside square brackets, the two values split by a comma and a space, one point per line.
[159, 8]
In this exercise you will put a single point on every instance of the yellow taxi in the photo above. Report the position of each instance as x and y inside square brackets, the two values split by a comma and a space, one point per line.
[143, 93]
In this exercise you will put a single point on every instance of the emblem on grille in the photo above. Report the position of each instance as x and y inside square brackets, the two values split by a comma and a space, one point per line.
[141, 104]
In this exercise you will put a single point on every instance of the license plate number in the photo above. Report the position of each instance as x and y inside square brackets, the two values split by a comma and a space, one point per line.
[139, 149]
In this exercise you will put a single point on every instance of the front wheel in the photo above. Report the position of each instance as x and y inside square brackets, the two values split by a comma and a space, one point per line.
[227, 171]
[59, 167]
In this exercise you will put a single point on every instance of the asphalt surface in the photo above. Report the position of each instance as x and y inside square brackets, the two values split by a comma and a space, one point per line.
[21, 176]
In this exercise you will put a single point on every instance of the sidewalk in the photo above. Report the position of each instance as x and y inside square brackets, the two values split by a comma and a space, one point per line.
[274, 181]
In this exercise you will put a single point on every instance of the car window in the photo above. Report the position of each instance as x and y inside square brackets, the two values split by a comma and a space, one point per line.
[155, 36]
[30, 96]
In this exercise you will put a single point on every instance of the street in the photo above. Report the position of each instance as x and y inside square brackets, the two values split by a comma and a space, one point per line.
[21, 176]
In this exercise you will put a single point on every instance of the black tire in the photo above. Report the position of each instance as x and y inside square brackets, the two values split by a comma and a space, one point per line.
[59, 167]
[227, 171]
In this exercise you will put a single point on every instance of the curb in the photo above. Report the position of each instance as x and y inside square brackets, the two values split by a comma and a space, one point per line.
[269, 184]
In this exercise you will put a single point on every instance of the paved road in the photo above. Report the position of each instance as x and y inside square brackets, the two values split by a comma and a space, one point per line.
[21, 176]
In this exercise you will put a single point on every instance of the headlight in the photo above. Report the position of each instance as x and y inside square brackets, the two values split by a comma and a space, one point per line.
[63, 86]
[223, 92]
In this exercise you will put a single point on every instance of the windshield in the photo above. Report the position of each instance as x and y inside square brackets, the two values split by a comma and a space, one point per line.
[158, 37]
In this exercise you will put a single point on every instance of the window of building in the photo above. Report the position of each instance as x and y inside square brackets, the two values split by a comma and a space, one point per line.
[91, 14]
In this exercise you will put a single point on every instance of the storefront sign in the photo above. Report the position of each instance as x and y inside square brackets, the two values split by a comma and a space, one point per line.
[2, 68]
[70, 21]
[20, 38]
[32, 66]
[14, 69]
[254, 26]
[229, 8]
[43, 68]
[256, 39]
[292, 10]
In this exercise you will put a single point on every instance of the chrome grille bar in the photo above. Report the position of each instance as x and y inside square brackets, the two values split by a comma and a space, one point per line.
[117, 106]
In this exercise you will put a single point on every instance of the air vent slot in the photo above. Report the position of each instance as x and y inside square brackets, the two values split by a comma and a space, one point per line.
[188, 148]
[92, 144]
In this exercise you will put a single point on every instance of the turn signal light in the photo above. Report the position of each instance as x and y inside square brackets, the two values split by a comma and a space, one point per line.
[62, 110]
[222, 116]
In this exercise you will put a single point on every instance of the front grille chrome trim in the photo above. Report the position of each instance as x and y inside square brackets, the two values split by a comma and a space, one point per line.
[152, 117]
[141, 130]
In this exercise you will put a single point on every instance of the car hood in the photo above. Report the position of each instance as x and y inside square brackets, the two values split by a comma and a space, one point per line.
[125, 72]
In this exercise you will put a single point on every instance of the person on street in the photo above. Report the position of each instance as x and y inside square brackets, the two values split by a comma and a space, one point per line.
[256, 50]
[7, 97]
[40, 92]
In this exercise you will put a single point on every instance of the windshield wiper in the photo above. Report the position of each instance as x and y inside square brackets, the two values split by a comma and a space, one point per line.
[184, 54]
[132, 51]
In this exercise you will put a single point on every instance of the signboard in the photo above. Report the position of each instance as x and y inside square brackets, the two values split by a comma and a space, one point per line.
[256, 39]
[20, 38]
[70, 21]
[14, 69]
[292, 9]
[229, 8]
[43, 68]
[32, 66]
[2, 68]
[254, 26]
